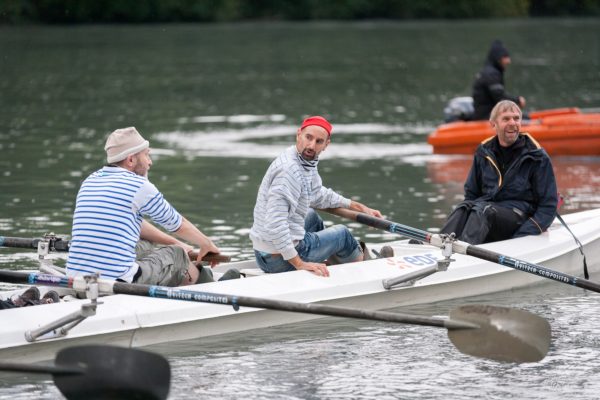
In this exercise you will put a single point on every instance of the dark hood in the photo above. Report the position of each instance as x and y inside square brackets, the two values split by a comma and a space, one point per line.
[497, 51]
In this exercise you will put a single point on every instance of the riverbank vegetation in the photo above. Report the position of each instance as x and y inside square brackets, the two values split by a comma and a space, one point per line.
[151, 11]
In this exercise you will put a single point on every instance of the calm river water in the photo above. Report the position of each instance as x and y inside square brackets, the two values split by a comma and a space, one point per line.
[218, 102]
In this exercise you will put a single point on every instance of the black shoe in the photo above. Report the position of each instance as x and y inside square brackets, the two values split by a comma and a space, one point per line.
[231, 274]
[205, 275]
[50, 297]
[414, 241]
[386, 252]
[30, 297]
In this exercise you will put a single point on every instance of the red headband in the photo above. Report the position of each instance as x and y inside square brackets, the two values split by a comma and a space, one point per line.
[319, 121]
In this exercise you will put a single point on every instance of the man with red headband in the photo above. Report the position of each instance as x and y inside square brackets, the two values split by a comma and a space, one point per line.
[287, 233]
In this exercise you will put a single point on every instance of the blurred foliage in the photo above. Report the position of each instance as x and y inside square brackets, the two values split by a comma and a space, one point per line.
[563, 8]
[141, 11]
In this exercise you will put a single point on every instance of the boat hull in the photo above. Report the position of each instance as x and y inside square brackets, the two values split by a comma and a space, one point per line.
[133, 321]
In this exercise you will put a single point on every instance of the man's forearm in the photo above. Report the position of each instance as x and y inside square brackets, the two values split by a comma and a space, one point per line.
[356, 206]
[190, 233]
[154, 235]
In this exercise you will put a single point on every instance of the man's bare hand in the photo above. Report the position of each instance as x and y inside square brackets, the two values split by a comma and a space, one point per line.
[356, 206]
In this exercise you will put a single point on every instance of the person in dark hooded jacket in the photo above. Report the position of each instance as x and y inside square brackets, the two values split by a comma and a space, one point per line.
[488, 88]
[511, 189]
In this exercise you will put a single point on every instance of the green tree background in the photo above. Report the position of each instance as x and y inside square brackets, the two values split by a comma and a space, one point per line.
[150, 11]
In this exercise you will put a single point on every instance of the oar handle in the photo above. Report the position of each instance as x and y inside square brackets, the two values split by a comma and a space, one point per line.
[342, 212]
[209, 257]
[57, 244]
[381, 223]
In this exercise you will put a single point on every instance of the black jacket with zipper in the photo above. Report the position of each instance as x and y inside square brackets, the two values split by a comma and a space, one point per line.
[528, 183]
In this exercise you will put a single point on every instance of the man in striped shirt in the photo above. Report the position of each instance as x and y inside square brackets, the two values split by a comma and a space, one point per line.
[287, 233]
[108, 222]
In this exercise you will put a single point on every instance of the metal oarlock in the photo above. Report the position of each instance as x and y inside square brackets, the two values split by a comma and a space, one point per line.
[44, 246]
[447, 250]
[62, 326]
[442, 265]
[50, 242]
[91, 287]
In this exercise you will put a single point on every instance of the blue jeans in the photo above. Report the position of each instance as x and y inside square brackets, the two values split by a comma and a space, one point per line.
[318, 245]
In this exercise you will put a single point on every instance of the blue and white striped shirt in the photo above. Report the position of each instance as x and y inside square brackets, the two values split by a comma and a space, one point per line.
[286, 193]
[107, 222]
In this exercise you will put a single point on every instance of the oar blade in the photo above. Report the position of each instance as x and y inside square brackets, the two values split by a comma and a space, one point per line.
[504, 334]
[113, 373]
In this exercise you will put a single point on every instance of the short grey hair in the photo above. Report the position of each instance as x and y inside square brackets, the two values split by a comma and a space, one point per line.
[502, 106]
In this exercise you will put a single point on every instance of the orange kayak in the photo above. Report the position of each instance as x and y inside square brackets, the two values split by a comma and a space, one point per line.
[561, 131]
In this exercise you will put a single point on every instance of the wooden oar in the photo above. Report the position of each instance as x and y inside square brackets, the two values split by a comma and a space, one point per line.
[505, 329]
[465, 248]
[209, 257]
[58, 244]
[105, 372]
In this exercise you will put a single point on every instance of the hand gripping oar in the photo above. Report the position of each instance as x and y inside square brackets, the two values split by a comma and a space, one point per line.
[105, 372]
[58, 244]
[210, 257]
[464, 248]
[502, 329]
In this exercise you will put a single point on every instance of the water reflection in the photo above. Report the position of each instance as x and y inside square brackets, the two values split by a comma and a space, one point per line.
[578, 178]
[268, 140]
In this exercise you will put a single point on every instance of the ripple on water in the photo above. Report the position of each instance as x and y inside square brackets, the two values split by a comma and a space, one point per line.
[242, 142]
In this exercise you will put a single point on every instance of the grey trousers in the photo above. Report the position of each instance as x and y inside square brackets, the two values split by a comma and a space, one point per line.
[165, 265]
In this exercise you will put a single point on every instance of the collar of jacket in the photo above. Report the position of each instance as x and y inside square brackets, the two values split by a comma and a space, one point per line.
[531, 149]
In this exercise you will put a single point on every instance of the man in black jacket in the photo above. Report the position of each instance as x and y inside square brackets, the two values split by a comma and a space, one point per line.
[511, 189]
[488, 88]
